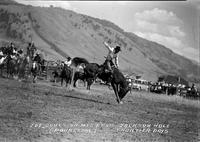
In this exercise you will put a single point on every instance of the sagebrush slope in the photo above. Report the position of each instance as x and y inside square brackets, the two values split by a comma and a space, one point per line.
[60, 33]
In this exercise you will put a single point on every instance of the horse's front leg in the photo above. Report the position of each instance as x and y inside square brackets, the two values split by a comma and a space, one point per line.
[55, 79]
[88, 84]
[61, 82]
[7, 70]
[66, 82]
[74, 83]
[84, 82]
[34, 78]
[1, 66]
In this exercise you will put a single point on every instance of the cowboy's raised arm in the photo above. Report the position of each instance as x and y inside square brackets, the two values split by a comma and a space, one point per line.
[108, 46]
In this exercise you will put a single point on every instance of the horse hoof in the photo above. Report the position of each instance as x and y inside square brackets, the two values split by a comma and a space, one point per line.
[120, 102]
[71, 90]
[88, 92]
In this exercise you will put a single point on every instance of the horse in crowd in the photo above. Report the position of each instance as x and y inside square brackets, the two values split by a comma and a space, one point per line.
[2, 63]
[71, 74]
[23, 64]
[11, 66]
[91, 72]
[66, 74]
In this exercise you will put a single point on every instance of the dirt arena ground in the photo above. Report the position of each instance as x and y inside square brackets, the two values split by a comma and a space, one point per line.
[46, 112]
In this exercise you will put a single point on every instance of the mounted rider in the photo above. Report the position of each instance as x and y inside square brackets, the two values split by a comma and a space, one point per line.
[20, 53]
[113, 54]
[68, 62]
[31, 49]
[37, 58]
[11, 50]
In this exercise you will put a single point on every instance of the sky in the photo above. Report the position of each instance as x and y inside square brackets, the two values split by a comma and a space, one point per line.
[174, 24]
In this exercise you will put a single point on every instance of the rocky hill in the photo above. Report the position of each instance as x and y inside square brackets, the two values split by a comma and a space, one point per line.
[59, 33]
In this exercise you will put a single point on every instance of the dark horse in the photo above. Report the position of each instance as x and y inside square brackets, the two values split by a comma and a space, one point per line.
[23, 64]
[76, 63]
[119, 84]
[11, 65]
[66, 74]
[116, 78]
[91, 72]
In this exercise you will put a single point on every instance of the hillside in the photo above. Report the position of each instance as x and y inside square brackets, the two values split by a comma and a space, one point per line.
[59, 33]
[7, 2]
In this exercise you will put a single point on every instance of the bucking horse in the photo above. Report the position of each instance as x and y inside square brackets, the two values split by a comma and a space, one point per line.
[116, 78]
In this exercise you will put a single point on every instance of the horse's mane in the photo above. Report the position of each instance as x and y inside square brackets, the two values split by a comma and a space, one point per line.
[78, 60]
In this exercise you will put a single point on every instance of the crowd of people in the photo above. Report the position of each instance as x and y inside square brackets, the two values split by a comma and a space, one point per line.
[13, 57]
[172, 89]
[15, 52]
[162, 87]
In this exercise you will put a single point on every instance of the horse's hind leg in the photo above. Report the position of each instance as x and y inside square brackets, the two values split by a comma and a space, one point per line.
[61, 81]
[89, 83]
[115, 88]
[74, 83]
[34, 78]
[84, 82]
[7, 71]
[66, 82]
[1, 71]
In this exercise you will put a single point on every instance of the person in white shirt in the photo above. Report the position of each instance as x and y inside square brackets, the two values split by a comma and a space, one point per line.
[1, 53]
[113, 53]
[68, 62]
